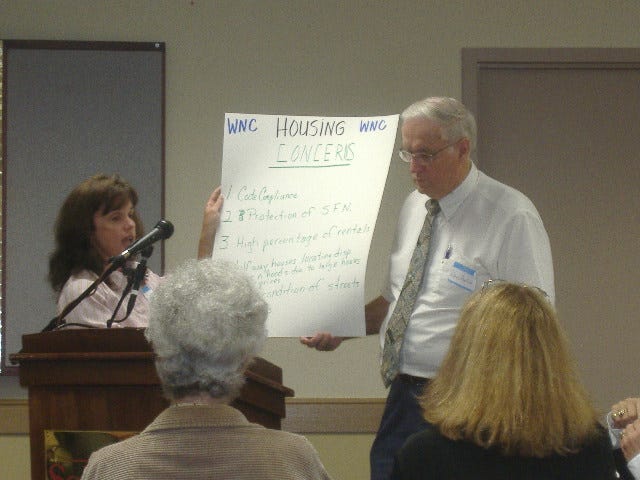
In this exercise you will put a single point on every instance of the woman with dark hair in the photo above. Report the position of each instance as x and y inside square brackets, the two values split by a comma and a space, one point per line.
[507, 401]
[97, 221]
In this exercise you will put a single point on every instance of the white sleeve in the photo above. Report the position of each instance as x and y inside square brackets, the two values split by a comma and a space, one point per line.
[525, 255]
[634, 466]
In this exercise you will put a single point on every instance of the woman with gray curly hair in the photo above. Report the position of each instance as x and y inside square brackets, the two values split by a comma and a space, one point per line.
[205, 337]
[207, 323]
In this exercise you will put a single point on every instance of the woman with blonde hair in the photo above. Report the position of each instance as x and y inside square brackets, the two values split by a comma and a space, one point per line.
[507, 401]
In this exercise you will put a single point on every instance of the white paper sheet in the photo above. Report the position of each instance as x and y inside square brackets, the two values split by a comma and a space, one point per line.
[301, 200]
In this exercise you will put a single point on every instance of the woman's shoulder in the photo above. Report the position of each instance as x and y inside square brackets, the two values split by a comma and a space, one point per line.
[425, 454]
[153, 279]
[77, 281]
[430, 438]
[82, 275]
[599, 442]
[443, 448]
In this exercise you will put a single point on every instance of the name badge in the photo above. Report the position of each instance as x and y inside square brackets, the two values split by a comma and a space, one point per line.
[463, 276]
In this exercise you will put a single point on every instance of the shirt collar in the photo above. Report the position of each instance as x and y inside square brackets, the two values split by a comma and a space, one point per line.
[450, 202]
[198, 416]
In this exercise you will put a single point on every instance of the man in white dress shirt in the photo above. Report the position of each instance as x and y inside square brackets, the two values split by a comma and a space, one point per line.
[484, 230]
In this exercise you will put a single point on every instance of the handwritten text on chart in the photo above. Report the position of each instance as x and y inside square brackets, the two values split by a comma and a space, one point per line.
[291, 127]
[274, 270]
[308, 155]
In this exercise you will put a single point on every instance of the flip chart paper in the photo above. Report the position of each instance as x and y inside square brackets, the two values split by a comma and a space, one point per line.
[302, 196]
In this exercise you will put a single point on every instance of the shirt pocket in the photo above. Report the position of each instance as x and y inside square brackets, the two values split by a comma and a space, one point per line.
[460, 276]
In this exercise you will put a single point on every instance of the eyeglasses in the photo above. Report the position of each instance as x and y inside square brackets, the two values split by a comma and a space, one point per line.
[493, 283]
[423, 157]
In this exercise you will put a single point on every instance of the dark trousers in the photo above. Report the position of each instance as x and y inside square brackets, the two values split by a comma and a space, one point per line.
[402, 417]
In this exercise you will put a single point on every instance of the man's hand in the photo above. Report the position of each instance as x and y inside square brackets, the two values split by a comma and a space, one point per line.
[322, 341]
[374, 313]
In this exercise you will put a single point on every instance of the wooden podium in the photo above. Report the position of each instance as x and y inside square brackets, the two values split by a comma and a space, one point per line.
[105, 380]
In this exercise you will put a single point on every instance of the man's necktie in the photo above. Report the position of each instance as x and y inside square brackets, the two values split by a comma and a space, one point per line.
[407, 299]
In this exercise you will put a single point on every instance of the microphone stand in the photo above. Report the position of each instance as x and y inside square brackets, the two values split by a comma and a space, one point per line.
[133, 285]
[141, 271]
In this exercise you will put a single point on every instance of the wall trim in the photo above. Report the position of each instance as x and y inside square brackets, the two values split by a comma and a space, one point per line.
[333, 415]
[14, 417]
[304, 415]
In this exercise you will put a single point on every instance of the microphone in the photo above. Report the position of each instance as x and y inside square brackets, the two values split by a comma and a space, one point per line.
[162, 230]
[139, 274]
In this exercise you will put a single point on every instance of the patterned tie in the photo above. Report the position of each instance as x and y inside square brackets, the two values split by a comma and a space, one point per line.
[404, 306]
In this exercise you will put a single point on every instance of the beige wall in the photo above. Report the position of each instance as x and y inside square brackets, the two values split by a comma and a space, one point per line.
[14, 456]
[306, 57]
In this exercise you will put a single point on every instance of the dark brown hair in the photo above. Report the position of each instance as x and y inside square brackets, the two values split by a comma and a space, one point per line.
[74, 225]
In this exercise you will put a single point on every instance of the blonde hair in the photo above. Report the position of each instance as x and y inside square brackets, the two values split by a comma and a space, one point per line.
[508, 380]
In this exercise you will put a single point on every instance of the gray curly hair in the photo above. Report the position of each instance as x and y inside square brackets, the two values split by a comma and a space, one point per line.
[454, 118]
[207, 323]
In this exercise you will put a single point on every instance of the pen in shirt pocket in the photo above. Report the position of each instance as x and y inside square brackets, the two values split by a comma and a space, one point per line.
[448, 252]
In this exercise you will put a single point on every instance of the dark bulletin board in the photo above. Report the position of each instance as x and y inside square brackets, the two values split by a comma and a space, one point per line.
[69, 110]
